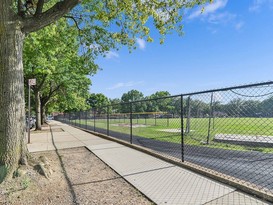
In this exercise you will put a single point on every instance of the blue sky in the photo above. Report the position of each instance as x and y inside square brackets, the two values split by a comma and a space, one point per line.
[230, 44]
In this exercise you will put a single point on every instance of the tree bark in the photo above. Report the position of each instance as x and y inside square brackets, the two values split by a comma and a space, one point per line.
[12, 104]
[43, 114]
[51, 15]
[38, 110]
[13, 28]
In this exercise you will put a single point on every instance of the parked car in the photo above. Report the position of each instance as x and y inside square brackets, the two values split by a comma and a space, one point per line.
[50, 117]
[32, 123]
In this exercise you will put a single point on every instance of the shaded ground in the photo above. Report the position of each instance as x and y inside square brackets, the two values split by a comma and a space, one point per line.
[77, 177]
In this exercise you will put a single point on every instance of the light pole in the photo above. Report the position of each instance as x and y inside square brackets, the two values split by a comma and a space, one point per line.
[30, 83]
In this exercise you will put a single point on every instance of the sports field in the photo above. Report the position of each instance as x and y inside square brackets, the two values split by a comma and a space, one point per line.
[168, 129]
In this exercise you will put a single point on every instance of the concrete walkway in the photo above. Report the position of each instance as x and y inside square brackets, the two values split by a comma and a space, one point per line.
[162, 182]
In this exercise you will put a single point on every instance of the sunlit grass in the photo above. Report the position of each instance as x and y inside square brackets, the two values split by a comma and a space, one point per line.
[202, 130]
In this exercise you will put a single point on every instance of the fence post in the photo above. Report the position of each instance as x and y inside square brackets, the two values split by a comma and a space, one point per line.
[108, 116]
[145, 120]
[182, 128]
[155, 119]
[80, 120]
[70, 118]
[188, 123]
[94, 117]
[131, 123]
[210, 114]
[73, 118]
[86, 114]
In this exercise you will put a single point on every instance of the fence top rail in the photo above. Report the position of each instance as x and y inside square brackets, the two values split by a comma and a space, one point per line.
[195, 93]
[139, 113]
[230, 88]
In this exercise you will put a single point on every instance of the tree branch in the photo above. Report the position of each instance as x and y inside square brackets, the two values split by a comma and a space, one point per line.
[40, 85]
[39, 8]
[20, 8]
[45, 99]
[53, 14]
[76, 23]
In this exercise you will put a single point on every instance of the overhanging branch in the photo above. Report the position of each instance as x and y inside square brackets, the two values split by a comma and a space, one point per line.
[20, 8]
[39, 8]
[41, 20]
[75, 21]
[51, 93]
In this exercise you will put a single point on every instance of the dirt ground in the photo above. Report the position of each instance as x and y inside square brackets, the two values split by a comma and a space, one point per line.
[76, 177]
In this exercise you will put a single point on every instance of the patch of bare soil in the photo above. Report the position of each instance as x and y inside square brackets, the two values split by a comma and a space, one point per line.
[76, 176]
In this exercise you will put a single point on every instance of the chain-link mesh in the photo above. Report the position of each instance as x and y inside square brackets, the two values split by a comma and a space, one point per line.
[90, 120]
[228, 131]
[119, 121]
[157, 125]
[231, 132]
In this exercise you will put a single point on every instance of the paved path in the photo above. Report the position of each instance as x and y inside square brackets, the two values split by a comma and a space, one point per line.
[162, 182]
[250, 166]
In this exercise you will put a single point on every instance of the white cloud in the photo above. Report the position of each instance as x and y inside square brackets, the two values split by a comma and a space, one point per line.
[209, 9]
[123, 85]
[116, 86]
[221, 18]
[257, 4]
[111, 54]
[239, 25]
[216, 15]
[213, 30]
[141, 43]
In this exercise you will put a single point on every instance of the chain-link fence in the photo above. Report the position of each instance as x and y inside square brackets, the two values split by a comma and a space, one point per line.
[226, 131]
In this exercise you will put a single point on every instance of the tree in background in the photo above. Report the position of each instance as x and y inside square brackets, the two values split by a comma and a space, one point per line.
[115, 105]
[234, 107]
[266, 107]
[56, 68]
[131, 96]
[98, 102]
[115, 101]
[162, 104]
[71, 95]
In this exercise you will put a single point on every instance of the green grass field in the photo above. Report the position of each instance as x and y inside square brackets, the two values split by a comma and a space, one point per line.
[169, 129]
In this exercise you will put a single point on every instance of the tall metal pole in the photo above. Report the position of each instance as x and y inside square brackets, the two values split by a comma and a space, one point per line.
[80, 113]
[108, 116]
[131, 123]
[86, 114]
[188, 123]
[28, 113]
[210, 115]
[182, 128]
[94, 117]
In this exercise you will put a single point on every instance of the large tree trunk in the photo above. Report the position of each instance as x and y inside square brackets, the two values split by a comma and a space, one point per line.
[12, 105]
[38, 110]
[43, 109]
